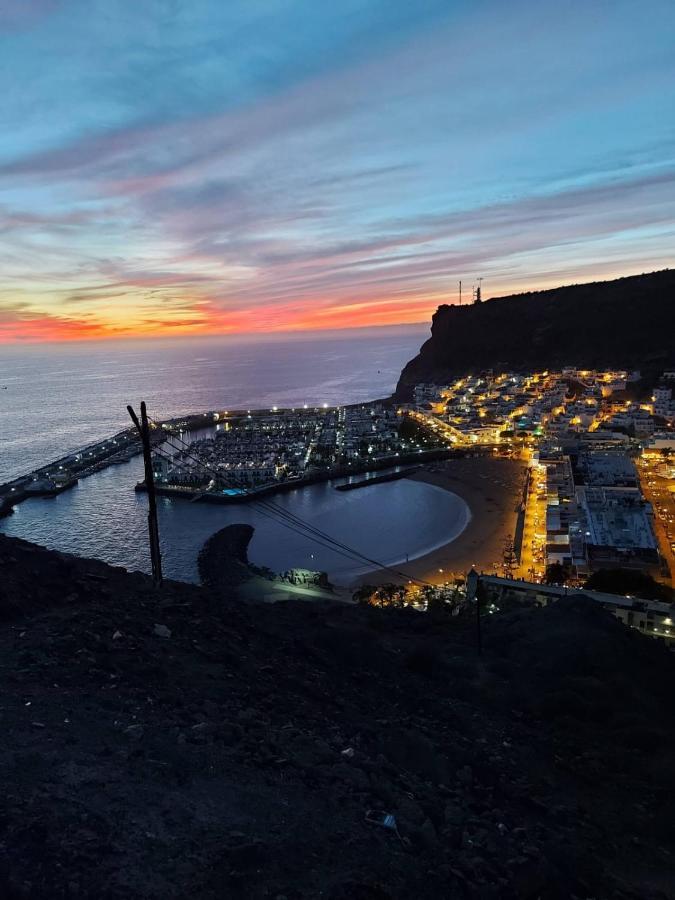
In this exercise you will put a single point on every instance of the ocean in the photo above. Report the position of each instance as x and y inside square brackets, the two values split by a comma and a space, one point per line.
[56, 399]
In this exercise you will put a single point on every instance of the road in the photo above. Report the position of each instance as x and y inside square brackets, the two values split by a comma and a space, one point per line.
[660, 492]
[532, 560]
[439, 427]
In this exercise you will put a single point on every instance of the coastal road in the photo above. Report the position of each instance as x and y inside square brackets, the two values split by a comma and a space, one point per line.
[660, 492]
[532, 563]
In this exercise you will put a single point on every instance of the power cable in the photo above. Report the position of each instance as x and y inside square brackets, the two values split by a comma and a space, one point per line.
[294, 522]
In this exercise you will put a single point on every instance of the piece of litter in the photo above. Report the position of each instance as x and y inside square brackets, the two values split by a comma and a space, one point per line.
[348, 753]
[162, 631]
[386, 820]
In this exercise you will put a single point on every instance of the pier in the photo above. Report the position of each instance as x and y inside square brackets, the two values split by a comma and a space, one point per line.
[64, 473]
[376, 479]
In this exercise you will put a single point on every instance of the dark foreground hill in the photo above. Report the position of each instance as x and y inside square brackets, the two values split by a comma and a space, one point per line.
[626, 323]
[160, 745]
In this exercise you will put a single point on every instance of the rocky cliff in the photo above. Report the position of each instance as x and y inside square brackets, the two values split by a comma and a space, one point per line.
[627, 323]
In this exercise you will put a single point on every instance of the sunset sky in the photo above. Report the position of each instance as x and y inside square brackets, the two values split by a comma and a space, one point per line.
[189, 166]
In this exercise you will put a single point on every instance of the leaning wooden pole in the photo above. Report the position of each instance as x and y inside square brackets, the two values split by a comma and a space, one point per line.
[479, 636]
[153, 528]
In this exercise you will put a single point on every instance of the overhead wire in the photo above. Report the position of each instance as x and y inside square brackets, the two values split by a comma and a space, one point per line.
[278, 513]
[291, 520]
[327, 544]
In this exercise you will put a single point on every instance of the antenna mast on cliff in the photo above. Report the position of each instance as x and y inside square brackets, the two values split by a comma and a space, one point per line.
[460, 293]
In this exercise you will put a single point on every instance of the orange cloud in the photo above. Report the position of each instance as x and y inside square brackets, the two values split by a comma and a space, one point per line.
[206, 318]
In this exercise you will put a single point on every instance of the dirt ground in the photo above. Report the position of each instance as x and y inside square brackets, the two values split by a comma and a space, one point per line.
[170, 744]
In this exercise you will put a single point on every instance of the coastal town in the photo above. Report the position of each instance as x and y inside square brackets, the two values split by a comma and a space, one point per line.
[599, 490]
[600, 486]
[566, 473]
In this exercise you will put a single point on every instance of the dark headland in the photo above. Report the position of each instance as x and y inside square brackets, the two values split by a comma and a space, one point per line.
[183, 744]
[625, 323]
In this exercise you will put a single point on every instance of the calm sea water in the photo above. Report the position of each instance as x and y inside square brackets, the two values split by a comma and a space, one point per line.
[58, 399]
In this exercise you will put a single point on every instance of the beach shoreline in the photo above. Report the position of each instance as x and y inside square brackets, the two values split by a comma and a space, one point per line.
[492, 489]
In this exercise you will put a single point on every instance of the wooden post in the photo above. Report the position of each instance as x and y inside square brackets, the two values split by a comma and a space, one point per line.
[479, 636]
[153, 528]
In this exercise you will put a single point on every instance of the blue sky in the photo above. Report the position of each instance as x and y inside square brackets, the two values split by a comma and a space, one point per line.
[175, 167]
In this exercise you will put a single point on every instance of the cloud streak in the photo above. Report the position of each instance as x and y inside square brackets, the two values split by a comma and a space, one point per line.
[348, 171]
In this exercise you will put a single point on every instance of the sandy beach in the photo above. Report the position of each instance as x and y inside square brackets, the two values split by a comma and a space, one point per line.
[492, 488]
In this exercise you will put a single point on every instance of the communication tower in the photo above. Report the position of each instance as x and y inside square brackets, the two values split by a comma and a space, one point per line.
[476, 296]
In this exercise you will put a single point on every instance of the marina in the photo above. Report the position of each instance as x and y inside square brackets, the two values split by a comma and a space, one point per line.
[103, 516]
[305, 447]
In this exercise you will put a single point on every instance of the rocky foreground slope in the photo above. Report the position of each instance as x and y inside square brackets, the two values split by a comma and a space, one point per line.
[625, 323]
[170, 745]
